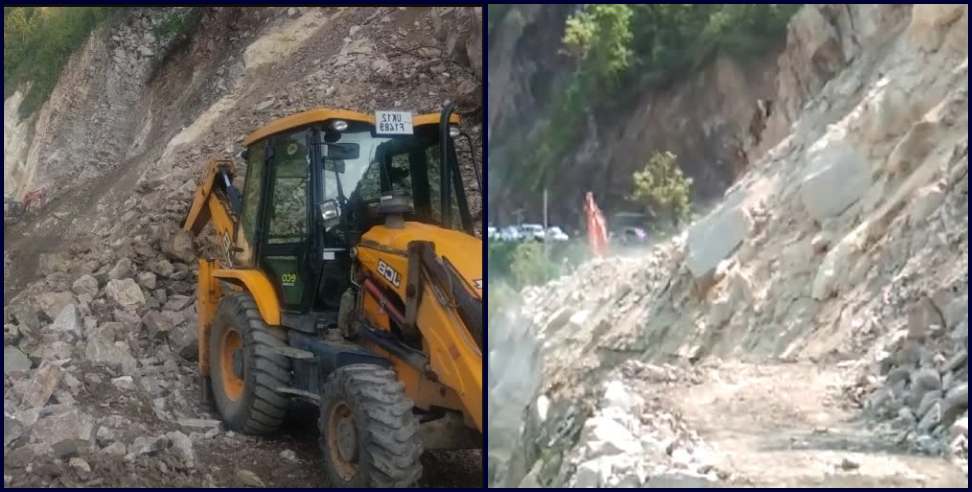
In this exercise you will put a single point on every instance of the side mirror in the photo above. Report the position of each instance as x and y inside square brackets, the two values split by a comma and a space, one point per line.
[330, 212]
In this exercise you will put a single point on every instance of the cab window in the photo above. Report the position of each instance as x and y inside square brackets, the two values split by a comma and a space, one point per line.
[288, 203]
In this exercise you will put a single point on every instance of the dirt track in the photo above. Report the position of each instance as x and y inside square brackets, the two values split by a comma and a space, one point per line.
[783, 425]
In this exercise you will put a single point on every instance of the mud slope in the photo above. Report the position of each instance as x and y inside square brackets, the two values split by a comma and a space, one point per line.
[100, 379]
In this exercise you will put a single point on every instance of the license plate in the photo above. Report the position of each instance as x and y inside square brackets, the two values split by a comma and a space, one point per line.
[393, 122]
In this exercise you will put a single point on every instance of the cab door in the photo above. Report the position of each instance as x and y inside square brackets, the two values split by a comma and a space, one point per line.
[286, 221]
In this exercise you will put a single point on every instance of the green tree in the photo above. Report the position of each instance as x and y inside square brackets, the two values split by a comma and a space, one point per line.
[531, 266]
[662, 188]
[39, 41]
[599, 38]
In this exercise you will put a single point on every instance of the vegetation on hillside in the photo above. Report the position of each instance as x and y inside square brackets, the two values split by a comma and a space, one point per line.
[662, 189]
[620, 50]
[39, 41]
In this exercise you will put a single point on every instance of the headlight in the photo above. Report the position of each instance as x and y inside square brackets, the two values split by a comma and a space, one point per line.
[339, 125]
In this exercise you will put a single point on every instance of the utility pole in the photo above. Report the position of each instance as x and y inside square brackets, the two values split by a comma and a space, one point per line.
[546, 249]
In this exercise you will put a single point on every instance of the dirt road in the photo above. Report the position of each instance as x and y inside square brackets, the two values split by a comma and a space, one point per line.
[784, 425]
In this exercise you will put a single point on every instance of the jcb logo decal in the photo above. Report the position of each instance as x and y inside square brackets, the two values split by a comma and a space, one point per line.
[389, 273]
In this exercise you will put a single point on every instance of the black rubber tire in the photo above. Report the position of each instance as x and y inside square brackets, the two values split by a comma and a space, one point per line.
[261, 409]
[388, 442]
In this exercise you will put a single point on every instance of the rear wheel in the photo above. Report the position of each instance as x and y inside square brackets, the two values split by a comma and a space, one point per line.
[369, 436]
[244, 369]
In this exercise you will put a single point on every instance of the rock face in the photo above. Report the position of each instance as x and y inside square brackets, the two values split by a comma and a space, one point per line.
[845, 240]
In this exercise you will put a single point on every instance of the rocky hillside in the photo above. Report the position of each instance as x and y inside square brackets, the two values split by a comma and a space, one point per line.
[100, 379]
[811, 330]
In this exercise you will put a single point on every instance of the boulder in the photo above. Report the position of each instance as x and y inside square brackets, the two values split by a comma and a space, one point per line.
[715, 238]
[125, 292]
[960, 427]
[25, 316]
[588, 475]
[179, 247]
[182, 446]
[833, 268]
[956, 402]
[52, 303]
[616, 395]
[67, 321]
[924, 319]
[41, 386]
[65, 434]
[157, 322]
[249, 479]
[148, 445]
[123, 269]
[604, 436]
[931, 418]
[925, 202]
[177, 303]
[184, 341]
[85, 285]
[839, 176]
[48, 263]
[913, 148]
[14, 360]
[161, 267]
[147, 280]
[102, 349]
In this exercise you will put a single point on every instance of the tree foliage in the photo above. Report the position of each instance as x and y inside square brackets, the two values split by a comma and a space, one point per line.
[37, 43]
[620, 50]
[530, 266]
[662, 188]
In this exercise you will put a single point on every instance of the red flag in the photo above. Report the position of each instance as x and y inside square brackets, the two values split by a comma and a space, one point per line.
[596, 227]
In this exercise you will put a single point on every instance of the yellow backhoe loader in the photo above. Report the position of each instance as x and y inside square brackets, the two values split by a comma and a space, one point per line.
[348, 276]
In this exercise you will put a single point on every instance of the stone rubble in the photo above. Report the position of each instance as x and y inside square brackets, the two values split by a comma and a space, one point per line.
[846, 241]
[100, 348]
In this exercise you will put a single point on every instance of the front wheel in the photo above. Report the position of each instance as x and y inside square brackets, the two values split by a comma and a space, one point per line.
[369, 435]
[245, 370]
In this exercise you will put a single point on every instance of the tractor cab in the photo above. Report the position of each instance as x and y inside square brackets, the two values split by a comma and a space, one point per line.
[316, 182]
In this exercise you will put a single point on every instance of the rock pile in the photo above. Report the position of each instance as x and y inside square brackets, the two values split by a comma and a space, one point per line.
[847, 241]
[632, 440]
[924, 395]
[101, 381]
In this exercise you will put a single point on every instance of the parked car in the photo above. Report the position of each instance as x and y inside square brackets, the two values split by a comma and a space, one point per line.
[532, 231]
[510, 233]
[555, 234]
[633, 235]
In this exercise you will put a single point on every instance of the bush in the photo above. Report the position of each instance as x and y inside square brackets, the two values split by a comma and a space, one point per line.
[662, 188]
[530, 266]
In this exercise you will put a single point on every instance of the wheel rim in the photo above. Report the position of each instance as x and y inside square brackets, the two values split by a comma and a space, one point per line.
[342, 441]
[231, 366]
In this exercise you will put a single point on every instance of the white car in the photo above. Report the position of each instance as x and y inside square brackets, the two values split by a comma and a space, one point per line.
[509, 233]
[555, 234]
[532, 231]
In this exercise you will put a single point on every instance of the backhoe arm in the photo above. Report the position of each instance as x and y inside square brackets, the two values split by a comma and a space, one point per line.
[216, 200]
